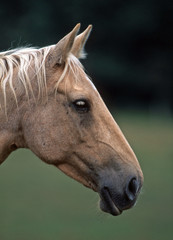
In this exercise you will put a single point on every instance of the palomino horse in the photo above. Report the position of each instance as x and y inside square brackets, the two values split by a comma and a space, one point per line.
[49, 105]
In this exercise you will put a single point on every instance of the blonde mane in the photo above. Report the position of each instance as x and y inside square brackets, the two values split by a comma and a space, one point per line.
[25, 58]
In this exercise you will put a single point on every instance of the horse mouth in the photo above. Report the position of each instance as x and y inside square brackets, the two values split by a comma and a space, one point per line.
[107, 204]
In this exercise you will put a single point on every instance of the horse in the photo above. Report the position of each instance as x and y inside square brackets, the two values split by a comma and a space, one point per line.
[48, 104]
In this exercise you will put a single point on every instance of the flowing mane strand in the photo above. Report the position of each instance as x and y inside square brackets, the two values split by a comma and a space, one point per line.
[23, 59]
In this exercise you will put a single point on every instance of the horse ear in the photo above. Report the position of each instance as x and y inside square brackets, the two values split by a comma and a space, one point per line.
[61, 50]
[79, 43]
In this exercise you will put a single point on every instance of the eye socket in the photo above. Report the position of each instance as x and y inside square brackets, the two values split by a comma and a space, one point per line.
[81, 105]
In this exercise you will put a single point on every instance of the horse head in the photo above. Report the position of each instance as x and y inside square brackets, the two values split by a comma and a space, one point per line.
[74, 131]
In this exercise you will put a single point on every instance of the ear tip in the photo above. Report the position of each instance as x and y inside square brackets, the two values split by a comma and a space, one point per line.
[77, 26]
[89, 28]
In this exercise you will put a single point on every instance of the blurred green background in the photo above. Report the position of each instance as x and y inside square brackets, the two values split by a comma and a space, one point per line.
[40, 202]
[130, 61]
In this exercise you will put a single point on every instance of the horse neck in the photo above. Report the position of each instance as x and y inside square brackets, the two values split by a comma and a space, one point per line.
[11, 136]
[8, 136]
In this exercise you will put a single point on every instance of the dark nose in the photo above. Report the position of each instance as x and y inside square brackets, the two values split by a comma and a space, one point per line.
[115, 197]
[132, 189]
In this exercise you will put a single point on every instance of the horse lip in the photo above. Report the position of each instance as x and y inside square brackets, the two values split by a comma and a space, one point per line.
[107, 204]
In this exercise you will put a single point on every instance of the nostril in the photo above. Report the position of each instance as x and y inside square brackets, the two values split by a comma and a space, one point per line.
[133, 186]
[132, 189]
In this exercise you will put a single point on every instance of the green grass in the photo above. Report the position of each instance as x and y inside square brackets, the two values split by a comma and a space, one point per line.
[39, 202]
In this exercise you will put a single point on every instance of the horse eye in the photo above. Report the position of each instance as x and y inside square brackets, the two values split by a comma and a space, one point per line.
[81, 106]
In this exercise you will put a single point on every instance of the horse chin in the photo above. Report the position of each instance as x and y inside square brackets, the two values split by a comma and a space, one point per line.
[79, 176]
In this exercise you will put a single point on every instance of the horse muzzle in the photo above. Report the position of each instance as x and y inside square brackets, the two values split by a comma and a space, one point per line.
[115, 198]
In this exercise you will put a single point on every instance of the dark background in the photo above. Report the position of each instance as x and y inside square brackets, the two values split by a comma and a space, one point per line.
[130, 49]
